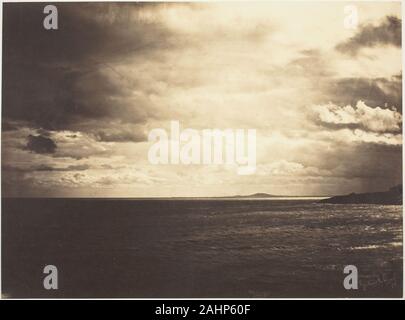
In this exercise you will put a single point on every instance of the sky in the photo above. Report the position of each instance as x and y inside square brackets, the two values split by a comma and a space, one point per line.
[79, 102]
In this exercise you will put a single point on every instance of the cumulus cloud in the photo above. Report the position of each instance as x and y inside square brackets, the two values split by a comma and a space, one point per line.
[360, 116]
[386, 33]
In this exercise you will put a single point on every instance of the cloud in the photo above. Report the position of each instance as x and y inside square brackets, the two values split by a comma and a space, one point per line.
[79, 64]
[121, 134]
[358, 136]
[360, 116]
[384, 34]
[289, 168]
[382, 92]
[45, 167]
[80, 167]
[114, 71]
[77, 145]
[310, 63]
[40, 144]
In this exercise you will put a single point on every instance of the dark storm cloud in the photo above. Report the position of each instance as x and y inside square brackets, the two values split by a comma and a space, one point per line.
[40, 144]
[45, 167]
[120, 136]
[53, 79]
[370, 161]
[378, 92]
[88, 33]
[387, 33]
[81, 167]
[375, 92]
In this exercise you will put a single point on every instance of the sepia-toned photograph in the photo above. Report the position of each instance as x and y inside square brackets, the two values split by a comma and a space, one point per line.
[201, 150]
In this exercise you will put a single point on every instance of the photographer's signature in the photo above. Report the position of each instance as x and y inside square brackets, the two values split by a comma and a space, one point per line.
[382, 279]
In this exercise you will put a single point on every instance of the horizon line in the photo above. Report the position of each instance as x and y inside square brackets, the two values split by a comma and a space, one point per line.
[173, 197]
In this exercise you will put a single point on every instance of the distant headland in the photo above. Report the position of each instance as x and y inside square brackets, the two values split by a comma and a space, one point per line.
[392, 196]
[263, 195]
[256, 195]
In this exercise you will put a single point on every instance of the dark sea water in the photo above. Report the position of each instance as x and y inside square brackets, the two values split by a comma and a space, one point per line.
[199, 248]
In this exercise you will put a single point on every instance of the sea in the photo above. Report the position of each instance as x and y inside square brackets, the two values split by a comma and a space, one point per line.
[200, 248]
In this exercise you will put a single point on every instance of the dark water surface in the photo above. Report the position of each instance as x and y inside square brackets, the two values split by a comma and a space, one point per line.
[199, 248]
